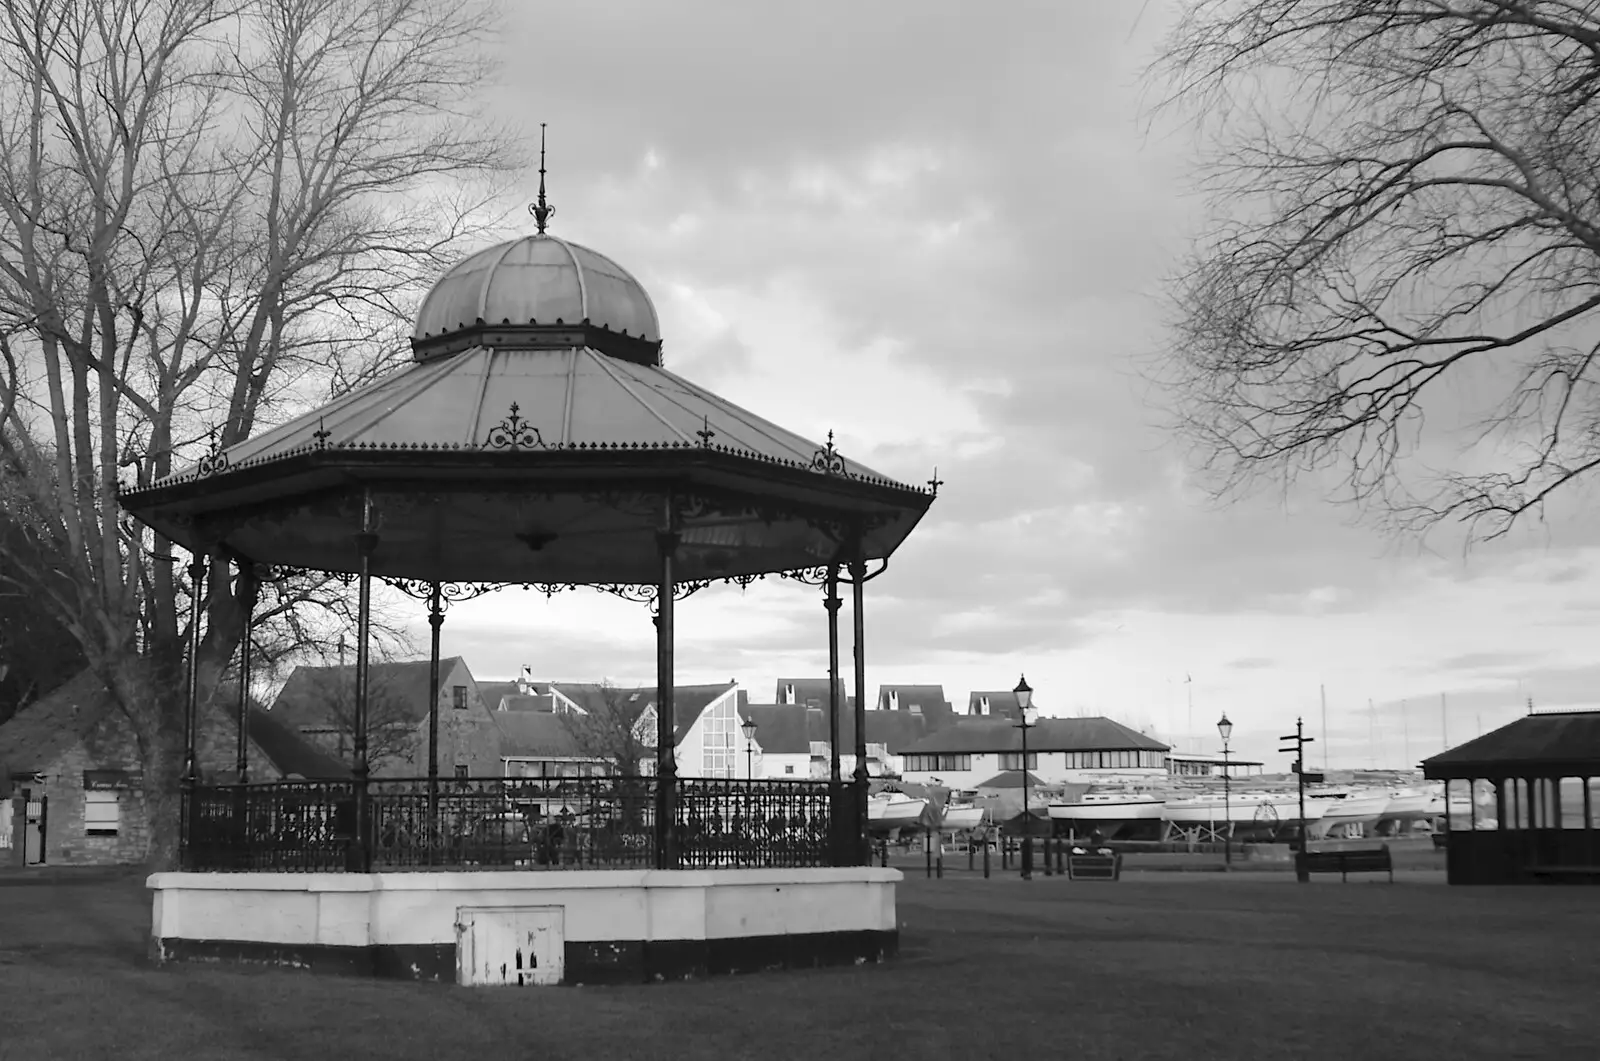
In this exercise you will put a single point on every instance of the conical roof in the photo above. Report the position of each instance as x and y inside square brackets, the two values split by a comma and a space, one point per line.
[534, 449]
[573, 399]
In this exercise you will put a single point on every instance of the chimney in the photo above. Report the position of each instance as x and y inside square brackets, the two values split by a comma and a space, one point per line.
[525, 683]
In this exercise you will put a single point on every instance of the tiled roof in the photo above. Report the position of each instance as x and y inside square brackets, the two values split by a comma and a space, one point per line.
[927, 700]
[688, 701]
[401, 686]
[1002, 702]
[35, 736]
[533, 734]
[1049, 735]
[781, 729]
[808, 689]
[289, 752]
[1565, 744]
[518, 702]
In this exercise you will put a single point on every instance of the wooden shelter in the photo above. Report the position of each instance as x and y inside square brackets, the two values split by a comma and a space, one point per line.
[1521, 801]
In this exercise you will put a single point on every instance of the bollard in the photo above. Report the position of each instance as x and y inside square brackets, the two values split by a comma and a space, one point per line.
[938, 866]
[883, 854]
[1047, 845]
[970, 853]
[1027, 857]
[927, 851]
[1061, 860]
[985, 858]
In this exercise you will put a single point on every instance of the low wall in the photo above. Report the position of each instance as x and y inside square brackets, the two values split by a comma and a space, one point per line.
[613, 926]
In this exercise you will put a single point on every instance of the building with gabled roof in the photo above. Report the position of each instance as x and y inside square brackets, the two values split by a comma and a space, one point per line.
[925, 701]
[812, 692]
[1060, 750]
[997, 703]
[318, 701]
[72, 783]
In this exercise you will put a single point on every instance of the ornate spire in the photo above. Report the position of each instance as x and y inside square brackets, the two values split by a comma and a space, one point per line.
[542, 211]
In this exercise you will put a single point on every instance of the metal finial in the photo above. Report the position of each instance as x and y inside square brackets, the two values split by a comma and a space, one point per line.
[542, 211]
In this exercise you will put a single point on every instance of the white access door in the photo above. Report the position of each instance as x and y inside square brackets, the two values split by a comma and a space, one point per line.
[516, 946]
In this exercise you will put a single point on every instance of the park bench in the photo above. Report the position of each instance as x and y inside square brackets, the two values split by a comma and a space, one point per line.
[1362, 860]
[1100, 865]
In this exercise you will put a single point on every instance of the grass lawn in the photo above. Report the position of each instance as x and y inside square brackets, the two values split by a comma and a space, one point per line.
[1159, 965]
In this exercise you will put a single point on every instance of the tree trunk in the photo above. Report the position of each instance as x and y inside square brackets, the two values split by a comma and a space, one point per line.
[151, 698]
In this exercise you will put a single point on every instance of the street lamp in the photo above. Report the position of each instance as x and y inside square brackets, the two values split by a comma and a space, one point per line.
[1025, 723]
[749, 727]
[1225, 728]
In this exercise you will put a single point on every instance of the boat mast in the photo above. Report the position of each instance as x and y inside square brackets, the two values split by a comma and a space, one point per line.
[1322, 690]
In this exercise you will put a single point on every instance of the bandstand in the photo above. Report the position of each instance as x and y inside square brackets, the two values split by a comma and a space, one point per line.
[535, 440]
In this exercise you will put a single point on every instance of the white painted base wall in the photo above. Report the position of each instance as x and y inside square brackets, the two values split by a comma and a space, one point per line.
[409, 909]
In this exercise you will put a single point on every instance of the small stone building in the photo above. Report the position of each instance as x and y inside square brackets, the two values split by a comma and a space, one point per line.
[72, 784]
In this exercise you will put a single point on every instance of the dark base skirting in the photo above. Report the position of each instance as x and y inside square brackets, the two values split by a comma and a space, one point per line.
[614, 962]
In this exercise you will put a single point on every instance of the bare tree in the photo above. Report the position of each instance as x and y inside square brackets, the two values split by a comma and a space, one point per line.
[209, 211]
[612, 728]
[1402, 280]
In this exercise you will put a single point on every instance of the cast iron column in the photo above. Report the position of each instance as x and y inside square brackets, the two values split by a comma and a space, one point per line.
[836, 808]
[435, 620]
[666, 764]
[197, 585]
[858, 576]
[366, 542]
[249, 591]
[186, 780]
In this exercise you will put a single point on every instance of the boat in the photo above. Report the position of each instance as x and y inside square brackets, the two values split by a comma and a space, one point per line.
[894, 810]
[1353, 817]
[962, 816]
[1110, 807]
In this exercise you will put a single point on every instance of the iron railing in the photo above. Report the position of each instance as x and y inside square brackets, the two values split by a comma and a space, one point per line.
[521, 823]
[734, 823]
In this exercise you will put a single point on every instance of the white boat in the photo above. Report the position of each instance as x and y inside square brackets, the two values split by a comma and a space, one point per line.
[894, 810]
[963, 817]
[1110, 807]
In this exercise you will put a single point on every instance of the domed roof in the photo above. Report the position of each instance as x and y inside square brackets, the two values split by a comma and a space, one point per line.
[538, 291]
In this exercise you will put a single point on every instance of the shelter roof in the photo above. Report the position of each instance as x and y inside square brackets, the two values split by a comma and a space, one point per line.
[969, 735]
[1548, 744]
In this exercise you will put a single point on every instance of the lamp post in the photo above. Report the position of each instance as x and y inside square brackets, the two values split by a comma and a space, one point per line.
[1025, 722]
[749, 727]
[1225, 728]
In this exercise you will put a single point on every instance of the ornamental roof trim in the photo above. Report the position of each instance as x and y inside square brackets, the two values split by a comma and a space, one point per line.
[543, 402]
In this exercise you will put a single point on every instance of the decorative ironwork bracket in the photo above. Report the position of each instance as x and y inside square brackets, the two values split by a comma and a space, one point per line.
[449, 592]
[649, 594]
[827, 461]
[515, 433]
[935, 482]
[809, 576]
[216, 459]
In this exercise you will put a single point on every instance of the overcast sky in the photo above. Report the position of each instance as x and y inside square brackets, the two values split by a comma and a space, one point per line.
[942, 236]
